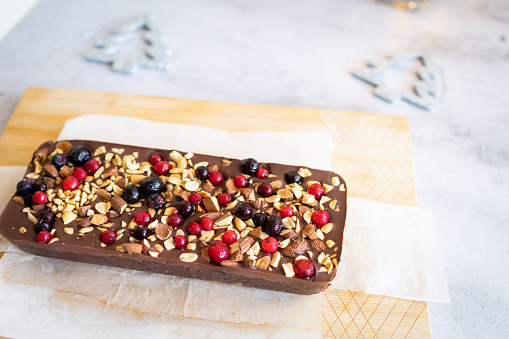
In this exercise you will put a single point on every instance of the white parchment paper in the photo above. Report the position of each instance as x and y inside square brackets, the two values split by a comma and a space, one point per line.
[387, 249]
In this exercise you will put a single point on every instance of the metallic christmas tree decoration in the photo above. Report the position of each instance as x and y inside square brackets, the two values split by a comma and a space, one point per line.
[427, 86]
[108, 47]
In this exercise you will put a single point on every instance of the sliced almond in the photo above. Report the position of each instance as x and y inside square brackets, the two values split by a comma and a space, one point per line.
[263, 262]
[288, 269]
[99, 219]
[132, 248]
[118, 204]
[211, 204]
[318, 246]
[102, 207]
[330, 243]
[299, 245]
[86, 229]
[188, 257]
[68, 217]
[310, 231]
[276, 257]
[335, 181]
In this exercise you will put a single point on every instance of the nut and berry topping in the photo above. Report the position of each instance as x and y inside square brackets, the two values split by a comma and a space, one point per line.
[216, 178]
[108, 237]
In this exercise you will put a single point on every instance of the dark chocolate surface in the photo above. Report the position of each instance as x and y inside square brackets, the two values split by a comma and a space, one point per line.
[87, 248]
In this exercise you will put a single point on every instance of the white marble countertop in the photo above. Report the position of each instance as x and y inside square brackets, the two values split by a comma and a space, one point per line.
[298, 53]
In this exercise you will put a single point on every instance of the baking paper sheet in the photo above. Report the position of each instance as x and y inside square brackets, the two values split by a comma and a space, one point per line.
[389, 250]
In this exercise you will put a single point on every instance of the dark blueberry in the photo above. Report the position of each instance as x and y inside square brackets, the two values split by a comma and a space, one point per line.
[274, 225]
[27, 199]
[140, 232]
[249, 166]
[292, 176]
[24, 186]
[155, 201]
[185, 208]
[79, 155]
[59, 160]
[131, 194]
[202, 173]
[47, 217]
[40, 225]
[150, 186]
[244, 211]
[39, 186]
[260, 219]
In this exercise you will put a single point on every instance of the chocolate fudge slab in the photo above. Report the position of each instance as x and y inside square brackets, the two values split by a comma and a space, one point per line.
[303, 236]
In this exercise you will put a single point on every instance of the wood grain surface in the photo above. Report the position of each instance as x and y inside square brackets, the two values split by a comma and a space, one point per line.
[371, 152]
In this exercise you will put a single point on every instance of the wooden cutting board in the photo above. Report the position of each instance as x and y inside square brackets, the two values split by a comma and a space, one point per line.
[371, 152]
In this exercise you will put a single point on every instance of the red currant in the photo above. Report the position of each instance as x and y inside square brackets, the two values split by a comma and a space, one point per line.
[216, 178]
[175, 220]
[218, 251]
[44, 237]
[304, 269]
[92, 166]
[286, 211]
[262, 173]
[206, 224]
[70, 184]
[266, 189]
[195, 198]
[320, 218]
[224, 198]
[39, 198]
[108, 237]
[154, 159]
[194, 228]
[317, 190]
[240, 181]
[80, 173]
[162, 167]
[180, 241]
[270, 245]
[142, 218]
[230, 237]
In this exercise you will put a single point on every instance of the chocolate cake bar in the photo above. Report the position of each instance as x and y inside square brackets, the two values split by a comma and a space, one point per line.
[244, 222]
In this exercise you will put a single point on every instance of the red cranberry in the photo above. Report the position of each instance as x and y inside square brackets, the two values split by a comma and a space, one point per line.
[142, 218]
[240, 181]
[92, 166]
[320, 218]
[162, 167]
[195, 198]
[304, 269]
[230, 237]
[206, 224]
[262, 173]
[70, 183]
[216, 178]
[224, 198]
[218, 251]
[108, 237]
[44, 237]
[39, 198]
[266, 189]
[80, 173]
[180, 241]
[194, 228]
[286, 211]
[317, 190]
[155, 159]
[270, 245]
[175, 220]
